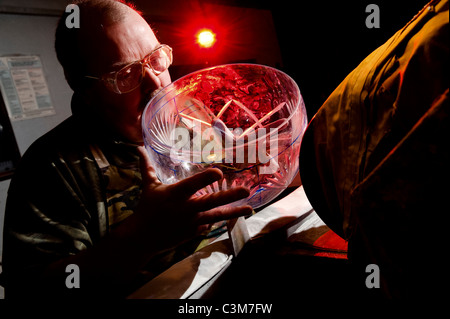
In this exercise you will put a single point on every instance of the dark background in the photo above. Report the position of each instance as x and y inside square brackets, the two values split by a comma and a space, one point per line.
[322, 41]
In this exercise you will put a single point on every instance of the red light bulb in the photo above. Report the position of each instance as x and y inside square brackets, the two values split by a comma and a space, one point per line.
[206, 38]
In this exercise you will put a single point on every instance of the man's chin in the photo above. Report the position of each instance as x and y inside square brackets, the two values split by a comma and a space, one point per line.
[133, 133]
[148, 98]
[135, 138]
[137, 132]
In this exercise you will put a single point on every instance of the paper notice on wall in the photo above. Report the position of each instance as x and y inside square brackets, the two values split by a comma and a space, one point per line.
[24, 88]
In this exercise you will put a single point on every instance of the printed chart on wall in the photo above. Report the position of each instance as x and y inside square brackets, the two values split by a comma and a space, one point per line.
[24, 88]
[9, 151]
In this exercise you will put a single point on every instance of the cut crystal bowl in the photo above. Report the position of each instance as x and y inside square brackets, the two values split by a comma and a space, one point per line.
[245, 119]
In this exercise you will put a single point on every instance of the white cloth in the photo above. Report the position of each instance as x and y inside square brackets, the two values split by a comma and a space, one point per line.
[194, 274]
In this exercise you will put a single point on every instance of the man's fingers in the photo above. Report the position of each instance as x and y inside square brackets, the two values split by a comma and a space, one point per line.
[189, 186]
[223, 213]
[148, 172]
[210, 201]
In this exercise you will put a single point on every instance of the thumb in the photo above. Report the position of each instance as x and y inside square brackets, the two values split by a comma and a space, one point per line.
[149, 177]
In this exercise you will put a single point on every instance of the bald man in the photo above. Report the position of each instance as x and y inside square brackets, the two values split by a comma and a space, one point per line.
[85, 193]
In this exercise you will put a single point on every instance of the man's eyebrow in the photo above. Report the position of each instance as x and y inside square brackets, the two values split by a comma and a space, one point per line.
[119, 65]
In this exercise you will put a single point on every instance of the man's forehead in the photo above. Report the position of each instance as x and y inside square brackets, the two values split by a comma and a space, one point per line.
[123, 42]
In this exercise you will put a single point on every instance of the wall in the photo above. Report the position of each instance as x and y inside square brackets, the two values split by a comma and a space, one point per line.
[33, 34]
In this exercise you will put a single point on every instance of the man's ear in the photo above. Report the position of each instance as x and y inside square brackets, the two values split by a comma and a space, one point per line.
[71, 81]
[85, 101]
[79, 83]
[82, 86]
[88, 94]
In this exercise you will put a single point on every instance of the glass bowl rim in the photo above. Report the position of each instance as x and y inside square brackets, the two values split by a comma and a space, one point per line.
[297, 106]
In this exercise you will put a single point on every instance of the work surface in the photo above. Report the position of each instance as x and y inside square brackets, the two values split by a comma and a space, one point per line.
[289, 245]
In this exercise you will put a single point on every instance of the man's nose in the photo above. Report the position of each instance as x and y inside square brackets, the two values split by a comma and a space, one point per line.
[150, 80]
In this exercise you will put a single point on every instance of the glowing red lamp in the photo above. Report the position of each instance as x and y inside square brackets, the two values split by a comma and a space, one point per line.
[206, 38]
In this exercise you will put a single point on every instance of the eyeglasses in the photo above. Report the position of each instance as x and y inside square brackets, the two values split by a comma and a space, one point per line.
[130, 76]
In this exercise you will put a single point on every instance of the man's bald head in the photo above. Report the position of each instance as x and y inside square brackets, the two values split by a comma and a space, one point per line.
[74, 46]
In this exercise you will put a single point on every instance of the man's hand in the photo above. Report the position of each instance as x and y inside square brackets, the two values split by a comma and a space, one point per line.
[174, 213]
